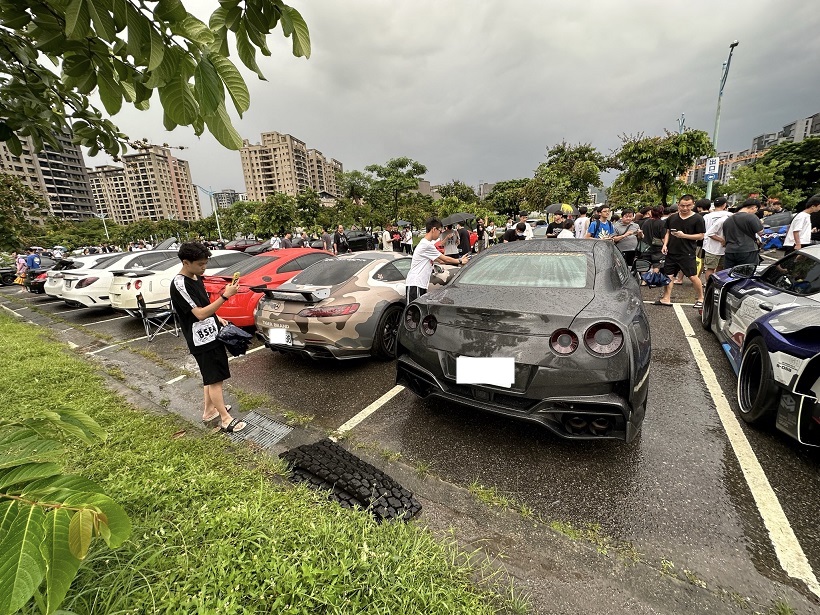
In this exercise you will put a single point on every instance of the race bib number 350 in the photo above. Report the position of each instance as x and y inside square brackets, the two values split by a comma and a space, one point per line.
[204, 331]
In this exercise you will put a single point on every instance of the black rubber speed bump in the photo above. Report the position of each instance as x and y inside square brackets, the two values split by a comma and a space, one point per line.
[350, 481]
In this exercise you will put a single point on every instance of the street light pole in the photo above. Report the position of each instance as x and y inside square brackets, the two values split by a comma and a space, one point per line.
[105, 226]
[724, 75]
[213, 208]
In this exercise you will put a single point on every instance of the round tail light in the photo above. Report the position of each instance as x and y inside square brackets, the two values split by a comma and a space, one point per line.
[429, 324]
[412, 318]
[604, 339]
[137, 284]
[564, 341]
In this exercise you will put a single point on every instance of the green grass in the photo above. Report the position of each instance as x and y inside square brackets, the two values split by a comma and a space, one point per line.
[216, 528]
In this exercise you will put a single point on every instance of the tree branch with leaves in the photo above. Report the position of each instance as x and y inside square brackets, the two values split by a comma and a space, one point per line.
[125, 50]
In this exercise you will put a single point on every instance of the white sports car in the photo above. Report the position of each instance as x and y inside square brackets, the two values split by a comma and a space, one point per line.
[89, 287]
[154, 282]
[53, 286]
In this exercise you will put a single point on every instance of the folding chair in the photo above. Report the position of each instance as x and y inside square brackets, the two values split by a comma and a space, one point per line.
[157, 321]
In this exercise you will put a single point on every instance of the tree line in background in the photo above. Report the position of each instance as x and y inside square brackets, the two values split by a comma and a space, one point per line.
[650, 170]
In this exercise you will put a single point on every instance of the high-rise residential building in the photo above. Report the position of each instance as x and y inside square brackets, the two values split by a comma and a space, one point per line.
[60, 176]
[283, 163]
[152, 185]
[227, 197]
[323, 173]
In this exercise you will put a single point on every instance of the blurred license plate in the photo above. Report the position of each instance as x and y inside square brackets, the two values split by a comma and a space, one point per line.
[495, 371]
[280, 336]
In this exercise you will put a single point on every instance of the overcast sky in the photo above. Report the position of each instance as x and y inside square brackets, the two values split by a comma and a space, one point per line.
[478, 90]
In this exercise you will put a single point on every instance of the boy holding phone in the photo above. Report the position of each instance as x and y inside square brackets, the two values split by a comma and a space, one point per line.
[200, 324]
[683, 230]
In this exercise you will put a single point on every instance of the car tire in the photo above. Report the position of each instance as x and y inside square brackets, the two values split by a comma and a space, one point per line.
[8, 278]
[351, 481]
[757, 394]
[708, 310]
[387, 333]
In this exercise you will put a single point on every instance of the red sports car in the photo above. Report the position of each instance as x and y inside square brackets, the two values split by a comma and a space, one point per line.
[267, 269]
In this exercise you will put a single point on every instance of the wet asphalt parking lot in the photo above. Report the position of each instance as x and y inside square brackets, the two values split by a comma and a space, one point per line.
[677, 493]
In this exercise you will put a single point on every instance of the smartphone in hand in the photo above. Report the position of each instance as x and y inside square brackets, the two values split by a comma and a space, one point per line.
[235, 278]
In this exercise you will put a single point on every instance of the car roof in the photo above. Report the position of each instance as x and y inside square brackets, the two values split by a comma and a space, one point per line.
[373, 256]
[291, 253]
[812, 250]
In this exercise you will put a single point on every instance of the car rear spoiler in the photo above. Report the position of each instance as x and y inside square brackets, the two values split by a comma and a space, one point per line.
[132, 273]
[306, 296]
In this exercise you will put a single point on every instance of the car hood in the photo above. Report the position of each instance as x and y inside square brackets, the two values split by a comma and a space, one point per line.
[531, 311]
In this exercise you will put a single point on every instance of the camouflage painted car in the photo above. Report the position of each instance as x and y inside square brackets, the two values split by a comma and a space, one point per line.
[339, 308]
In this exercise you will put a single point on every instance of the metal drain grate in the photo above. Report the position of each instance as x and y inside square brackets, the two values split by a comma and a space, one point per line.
[261, 430]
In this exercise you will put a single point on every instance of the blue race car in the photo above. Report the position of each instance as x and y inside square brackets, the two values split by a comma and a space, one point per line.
[768, 321]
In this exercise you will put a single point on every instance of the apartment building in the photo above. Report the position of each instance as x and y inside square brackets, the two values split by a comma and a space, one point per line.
[793, 132]
[283, 163]
[152, 184]
[60, 176]
[227, 197]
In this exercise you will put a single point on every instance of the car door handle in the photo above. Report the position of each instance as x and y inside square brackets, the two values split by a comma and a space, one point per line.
[766, 307]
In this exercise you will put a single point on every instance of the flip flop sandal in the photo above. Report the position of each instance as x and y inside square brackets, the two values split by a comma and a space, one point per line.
[214, 421]
[659, 302]
[232, 426]
[698, 305]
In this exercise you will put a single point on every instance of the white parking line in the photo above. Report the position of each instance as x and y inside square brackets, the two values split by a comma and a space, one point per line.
[789, 552]
[10, 310]
[251, 351]
[348, 425]
[136, 339]
[19, 309]
[177, 379]
[99, 322]
[76, 309]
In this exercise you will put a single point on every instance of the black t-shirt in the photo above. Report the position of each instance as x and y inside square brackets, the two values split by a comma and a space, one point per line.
[553, 228]
[692, 225]
[739, 231]
[463, 240]
[340, 241]
[479, 230]
[511, 235]
[187, 294]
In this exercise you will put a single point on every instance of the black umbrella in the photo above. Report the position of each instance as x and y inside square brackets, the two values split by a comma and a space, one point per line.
[403, 223]
[457, 218]
[561, 208]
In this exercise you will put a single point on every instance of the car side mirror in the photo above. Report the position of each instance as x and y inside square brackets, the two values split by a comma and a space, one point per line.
[740, 272]
[438, 268]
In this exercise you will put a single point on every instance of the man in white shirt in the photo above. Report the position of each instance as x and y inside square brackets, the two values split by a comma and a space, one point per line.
[528, 234]
[387, 242]
[582, 223]
[425, 254]
[799, 233]
[714, 245]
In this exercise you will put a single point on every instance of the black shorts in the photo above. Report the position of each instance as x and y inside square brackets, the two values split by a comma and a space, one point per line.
[213, 365]
[680, 262]
[414, 292]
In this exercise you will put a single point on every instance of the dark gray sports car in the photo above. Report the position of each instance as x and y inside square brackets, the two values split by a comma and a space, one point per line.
[551, 331]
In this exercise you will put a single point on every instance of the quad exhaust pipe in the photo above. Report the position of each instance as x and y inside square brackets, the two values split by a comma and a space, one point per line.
[578, 424]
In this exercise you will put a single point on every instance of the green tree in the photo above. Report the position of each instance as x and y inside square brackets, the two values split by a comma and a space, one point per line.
[16, 198]
[124, 50]
[277, 214]
[763, 177]
[803, 170]
[354, 185]
[308, 206]
[508, 197]
[396, 178]
[568, 173]
[458, 189]
[659, 161]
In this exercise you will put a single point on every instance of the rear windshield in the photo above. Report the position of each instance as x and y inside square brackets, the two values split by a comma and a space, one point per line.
[330, 272]
[554, 270]
[103, 262]
[249, 264]
[166, 264]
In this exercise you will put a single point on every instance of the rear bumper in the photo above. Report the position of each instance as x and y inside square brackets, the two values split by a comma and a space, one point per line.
[315, 351]
[580, 417]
